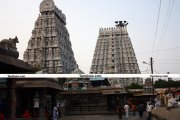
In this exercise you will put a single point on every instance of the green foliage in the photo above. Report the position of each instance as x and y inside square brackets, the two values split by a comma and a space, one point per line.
[161, 84]
[36, 68]
[134, 86]
[165, 84]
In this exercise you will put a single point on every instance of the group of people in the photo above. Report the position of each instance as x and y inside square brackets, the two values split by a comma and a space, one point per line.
[140, 108]
[172, 101]
[56, 114]
[148, 107]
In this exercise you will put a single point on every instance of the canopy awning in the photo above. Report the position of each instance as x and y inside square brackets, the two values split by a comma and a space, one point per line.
[97, 79]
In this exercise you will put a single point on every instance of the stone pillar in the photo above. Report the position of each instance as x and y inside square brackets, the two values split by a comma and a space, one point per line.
[11, 84]
[29, 101]
[68, 104]
[54, 102]
[42, 103]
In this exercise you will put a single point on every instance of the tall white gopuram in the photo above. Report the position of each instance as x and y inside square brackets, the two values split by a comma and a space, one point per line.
[114, 54]
[49, 47]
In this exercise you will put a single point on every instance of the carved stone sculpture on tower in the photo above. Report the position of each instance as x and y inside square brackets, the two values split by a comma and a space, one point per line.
[8, 47]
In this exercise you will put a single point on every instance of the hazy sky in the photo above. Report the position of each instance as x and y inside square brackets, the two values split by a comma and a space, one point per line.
[85, 17]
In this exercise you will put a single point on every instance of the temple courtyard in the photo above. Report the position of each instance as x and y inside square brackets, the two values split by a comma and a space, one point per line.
[101, 117]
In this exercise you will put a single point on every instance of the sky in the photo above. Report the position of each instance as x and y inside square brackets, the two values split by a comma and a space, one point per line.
[85, 17]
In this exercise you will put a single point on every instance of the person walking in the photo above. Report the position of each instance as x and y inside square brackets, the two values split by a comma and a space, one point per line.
[140, 109]
[59, 111]
[157, 103]
[133, 108]
[55, 113]
[149, 110]
[126, 109]
[171, 103]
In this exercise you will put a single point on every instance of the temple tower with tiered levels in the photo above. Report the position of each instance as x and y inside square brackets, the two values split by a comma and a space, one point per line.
[49, 47]
[114, 54]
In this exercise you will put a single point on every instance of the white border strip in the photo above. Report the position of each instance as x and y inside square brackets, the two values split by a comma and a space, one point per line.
[87, 75]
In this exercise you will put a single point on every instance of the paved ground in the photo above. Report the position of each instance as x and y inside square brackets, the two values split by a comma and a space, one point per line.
[100, 117]
[173, 114]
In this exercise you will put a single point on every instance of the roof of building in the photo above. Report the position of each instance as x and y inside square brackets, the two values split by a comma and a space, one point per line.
[38, 83]
[12, 65]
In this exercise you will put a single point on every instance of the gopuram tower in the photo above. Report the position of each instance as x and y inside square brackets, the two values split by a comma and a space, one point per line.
[49, 47]
[114, 54]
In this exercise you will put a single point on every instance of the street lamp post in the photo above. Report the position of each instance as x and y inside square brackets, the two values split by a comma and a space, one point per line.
[152, 80]
[168, 82]
[151, 59]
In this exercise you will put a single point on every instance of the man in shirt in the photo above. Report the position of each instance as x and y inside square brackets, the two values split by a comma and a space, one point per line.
[149, 110]
[126, 109]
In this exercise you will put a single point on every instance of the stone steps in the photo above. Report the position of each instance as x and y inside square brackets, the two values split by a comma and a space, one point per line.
[90, 112]
[89, 109]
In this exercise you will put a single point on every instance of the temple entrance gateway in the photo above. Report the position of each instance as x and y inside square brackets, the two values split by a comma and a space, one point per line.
[94, 100]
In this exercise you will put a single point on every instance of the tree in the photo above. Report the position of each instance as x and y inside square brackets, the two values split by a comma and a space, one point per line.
[134, 86]
[166, 84]
[161, 84]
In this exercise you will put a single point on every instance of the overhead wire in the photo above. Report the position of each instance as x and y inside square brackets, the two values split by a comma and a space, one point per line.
[166, 23]
[156, 28]
[167, 60]
[162, 50]
[169, 49]
[145, 71]
[149, 71]
[167, 63]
